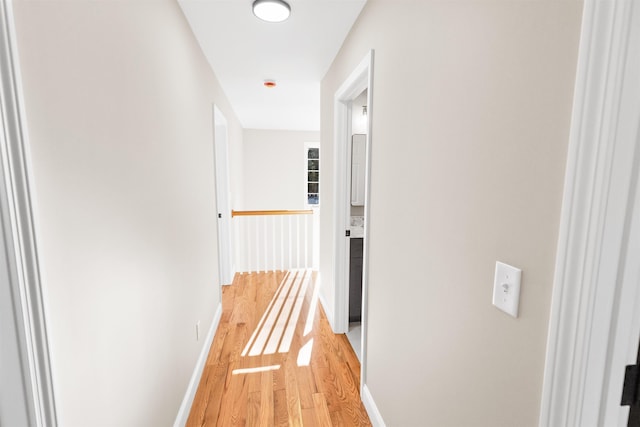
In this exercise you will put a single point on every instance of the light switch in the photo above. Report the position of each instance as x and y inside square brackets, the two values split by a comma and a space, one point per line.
[506, 288]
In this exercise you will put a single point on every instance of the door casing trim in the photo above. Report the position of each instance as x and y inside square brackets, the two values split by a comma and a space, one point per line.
[20, 223]
[361, 78]
[600, 181]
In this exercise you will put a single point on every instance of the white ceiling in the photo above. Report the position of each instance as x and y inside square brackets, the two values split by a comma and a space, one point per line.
[244, 51]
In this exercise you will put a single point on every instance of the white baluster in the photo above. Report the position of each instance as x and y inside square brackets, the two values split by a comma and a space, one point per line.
[255, 264]
[306, 241]
[282, 267]
[273, 243]
[297, 241]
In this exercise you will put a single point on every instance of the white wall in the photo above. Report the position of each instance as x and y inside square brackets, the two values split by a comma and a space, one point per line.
[275, 168]
[472, 104]
[119, 107]
[236, 165]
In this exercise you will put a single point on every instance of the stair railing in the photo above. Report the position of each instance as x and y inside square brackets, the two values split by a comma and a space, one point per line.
[272, 240]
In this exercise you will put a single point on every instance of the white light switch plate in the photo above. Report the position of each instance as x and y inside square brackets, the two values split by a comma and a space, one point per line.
[506, 288]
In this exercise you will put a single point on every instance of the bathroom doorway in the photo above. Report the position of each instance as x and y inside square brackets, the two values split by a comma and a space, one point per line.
[357, 167]
[351, 117]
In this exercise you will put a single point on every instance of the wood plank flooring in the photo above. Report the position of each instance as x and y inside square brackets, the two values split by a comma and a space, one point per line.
[275, 361]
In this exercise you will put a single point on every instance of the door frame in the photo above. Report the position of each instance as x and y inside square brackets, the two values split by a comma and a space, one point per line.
[592, 325]
[30, 390]
[360, 79]
[223, 201]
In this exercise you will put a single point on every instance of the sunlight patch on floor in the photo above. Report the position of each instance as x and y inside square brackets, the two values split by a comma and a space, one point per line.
[254, 370]
[304, 356]
[277, 326]
[308, 326]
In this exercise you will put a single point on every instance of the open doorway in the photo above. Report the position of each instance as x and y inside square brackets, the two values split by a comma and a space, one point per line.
[221, 161]
[357, 174]
[353, 112]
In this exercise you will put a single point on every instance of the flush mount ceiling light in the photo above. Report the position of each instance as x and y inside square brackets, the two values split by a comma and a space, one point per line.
[269, 83]
[271, 10]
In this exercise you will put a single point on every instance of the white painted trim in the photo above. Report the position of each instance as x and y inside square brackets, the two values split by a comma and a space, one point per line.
[600, 174]
[20, 238]
[372, 409]
[190, 394]
[367, 221]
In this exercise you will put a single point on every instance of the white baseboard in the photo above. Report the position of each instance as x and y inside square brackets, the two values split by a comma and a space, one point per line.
[372, 409]
[329, 314]
[185, 407]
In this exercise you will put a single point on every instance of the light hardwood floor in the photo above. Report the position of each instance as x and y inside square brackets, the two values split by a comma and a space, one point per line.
[274, 360]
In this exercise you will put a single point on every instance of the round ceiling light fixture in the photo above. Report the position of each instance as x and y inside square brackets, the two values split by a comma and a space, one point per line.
[271, 10]
[269, 83]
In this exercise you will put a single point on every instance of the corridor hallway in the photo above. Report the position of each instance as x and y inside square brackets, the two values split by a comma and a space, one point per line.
[274, 360]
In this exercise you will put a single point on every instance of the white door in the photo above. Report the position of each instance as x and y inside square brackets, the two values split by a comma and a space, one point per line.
[225, 249]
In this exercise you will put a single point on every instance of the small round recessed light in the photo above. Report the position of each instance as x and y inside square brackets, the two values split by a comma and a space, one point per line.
[271, 10]
[269, 83]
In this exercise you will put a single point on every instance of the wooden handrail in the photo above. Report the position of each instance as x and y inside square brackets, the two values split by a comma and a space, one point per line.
[276, 212]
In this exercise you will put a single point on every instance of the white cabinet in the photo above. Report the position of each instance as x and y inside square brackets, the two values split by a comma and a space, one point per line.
[358, 162]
